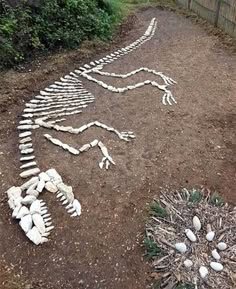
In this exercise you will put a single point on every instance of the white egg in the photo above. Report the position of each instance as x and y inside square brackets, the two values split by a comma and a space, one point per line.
[215, 254]
[190, 235]
[203, 272]
[188, 263]
[196, 223]
[210, 236]
[216, 266]
[181, 247]
[222, 246]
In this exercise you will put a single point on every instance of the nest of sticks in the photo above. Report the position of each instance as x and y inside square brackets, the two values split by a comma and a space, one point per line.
[171, 214]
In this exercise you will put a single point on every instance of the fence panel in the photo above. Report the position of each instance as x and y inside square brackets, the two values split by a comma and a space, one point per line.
[227, 17]
[221, 13]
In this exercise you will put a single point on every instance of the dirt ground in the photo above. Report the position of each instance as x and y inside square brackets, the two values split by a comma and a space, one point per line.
[191, 144]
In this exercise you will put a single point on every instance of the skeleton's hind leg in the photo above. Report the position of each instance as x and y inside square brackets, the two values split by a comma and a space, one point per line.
[124, 135]
[107, 159]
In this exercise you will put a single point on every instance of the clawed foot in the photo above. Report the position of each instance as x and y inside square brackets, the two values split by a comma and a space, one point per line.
[168, 98]
[106, 161]
[127, 135]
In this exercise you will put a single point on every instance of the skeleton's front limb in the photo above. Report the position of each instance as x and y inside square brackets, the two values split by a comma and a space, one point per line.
[166, 79]
[167, 97]
[107, 159]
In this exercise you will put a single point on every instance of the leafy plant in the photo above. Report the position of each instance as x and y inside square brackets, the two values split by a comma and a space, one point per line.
[56, 23]
[216, 200]
[195, 196]
[158, 210]
[152, 250]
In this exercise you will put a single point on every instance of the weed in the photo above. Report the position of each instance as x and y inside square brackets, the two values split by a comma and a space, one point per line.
[158, 210]
[216, 200]
[152, 250]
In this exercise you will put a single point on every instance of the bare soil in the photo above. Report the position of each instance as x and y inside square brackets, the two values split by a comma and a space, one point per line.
[191, 144]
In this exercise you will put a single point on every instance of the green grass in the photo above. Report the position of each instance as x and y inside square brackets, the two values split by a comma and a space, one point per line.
[216, 200]
[152, 250]
[125, 7]
[157, 210]
[195, 196]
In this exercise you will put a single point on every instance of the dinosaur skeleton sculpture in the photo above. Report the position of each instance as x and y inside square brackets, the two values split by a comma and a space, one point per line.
[61, 99]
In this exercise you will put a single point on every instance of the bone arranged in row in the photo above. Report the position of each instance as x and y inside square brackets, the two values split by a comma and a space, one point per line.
[107, 159]
[59, 101]
[49, 101]
[76, 104]
[114, 56]
[52, 112]
[33, 214]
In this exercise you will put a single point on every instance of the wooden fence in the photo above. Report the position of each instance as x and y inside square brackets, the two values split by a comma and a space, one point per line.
[221, 13]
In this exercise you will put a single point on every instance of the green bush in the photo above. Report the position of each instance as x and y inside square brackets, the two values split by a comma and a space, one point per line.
[57, 23]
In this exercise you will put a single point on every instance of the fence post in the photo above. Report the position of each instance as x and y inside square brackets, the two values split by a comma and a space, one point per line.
[218, 4]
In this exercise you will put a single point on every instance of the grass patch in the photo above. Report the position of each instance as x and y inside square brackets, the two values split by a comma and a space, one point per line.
[195, 196]
[152, 250]
[157, 210]
[216, 200]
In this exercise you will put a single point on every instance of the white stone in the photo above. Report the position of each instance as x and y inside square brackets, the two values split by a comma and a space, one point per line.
[94, 143]
[27, 158]
[35, 207]
[196, 223]
[17, 201]
[221, 246]
[181, 247]
[67, 192]
[40, 186]
[15, 211]
[26, 223]
[77, 207]
[34, 236]
[49, 186]
[215, 255]
[34, 193]
[31, 188]
[203, 272]
[210, 236]
[25, 140]
[30, 172]
[28, 200]
[216, 266]
[188, 263]
[43, 176]
[191, 236]
[29, 183]
[11, 204]
[25, 134]
[28, 165]
[22, 212]
[27, 151]
[14, 192]
[53, 174]
[39, 223]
